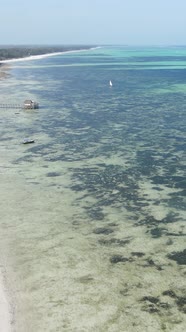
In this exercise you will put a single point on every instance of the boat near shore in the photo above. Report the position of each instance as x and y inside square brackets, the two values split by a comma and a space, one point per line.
[28, 141]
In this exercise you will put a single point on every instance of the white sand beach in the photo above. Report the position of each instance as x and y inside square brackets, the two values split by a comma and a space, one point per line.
[32, 57]
[5, 312]
[42, 56]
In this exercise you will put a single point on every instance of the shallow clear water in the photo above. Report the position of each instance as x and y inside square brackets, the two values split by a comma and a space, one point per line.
[93, 213]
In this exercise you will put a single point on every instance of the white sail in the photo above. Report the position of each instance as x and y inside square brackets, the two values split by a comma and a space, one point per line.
[110, 83]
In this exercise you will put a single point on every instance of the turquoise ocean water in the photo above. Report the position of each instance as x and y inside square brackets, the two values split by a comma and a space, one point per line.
[93, 213]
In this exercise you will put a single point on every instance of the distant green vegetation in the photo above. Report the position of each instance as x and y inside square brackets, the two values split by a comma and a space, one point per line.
[14, 52]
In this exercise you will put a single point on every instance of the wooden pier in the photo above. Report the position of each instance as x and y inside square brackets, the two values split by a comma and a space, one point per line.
[11, 106]
[28, 104]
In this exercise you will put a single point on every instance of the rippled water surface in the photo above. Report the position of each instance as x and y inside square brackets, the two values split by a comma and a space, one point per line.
[93, 213]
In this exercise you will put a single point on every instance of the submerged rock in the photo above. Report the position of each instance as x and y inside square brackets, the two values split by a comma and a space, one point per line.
[151, 299]
[157, 232]
[113, 241]
[170, 293]
[118, 258]
[103, 230]
[154, 305]
[179, 257]
[181, 303]
[53, 174]
[137, 254]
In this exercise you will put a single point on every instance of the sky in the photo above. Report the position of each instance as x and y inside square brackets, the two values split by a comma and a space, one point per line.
[93, 22]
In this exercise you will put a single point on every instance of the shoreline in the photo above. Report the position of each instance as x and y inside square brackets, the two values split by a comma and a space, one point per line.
[6, 318]
[42, 56]
[4, 64]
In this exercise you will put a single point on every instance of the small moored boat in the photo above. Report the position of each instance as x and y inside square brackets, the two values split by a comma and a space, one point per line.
[28, 141]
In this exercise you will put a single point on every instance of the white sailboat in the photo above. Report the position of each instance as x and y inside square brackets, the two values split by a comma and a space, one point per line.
[110, 83]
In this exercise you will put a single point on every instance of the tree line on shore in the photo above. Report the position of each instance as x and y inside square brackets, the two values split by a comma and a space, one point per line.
[15, 52]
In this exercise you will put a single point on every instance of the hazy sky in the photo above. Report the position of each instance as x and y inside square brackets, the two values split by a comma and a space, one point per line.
[93, 22]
